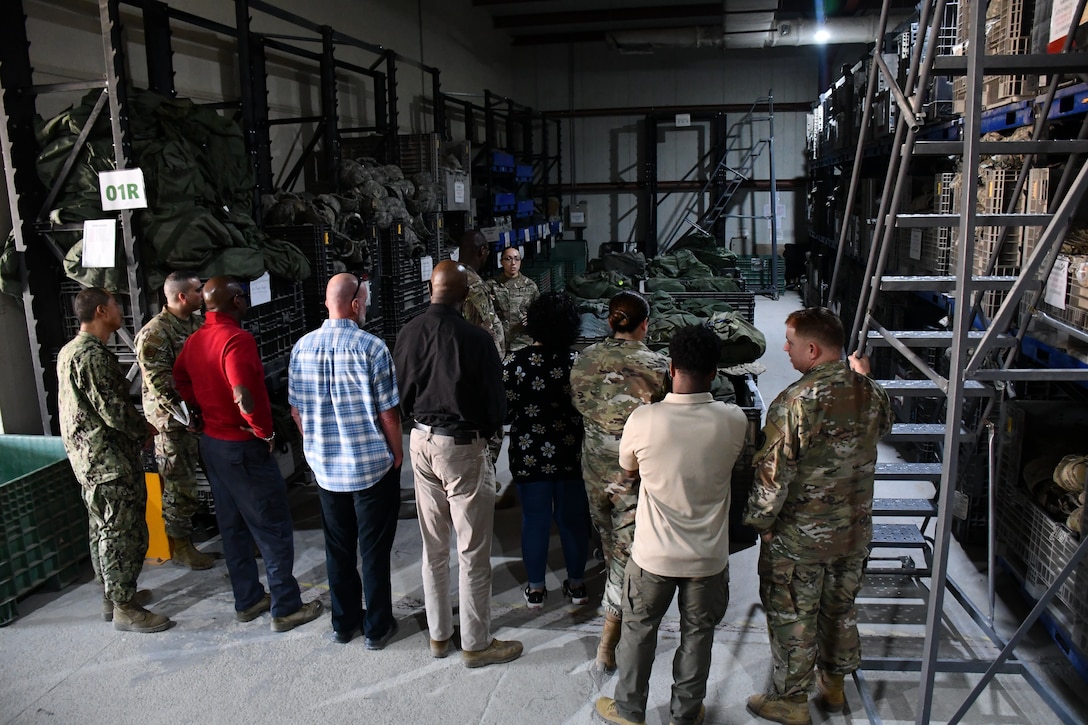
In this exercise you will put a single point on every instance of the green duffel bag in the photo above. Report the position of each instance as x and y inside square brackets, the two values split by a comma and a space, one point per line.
[742, 342]
[599, 285]
[664, 284]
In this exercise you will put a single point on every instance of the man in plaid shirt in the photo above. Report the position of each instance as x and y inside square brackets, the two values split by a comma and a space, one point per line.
[343, 394]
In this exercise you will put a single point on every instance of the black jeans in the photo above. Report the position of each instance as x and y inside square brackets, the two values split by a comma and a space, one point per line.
[251, 505]
[365, 520]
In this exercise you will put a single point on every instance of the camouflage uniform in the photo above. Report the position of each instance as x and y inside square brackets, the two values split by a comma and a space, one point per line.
[479, 309]
[607, 382]
[512, 300]
[814, 493]
[176, 449]
[103, 434]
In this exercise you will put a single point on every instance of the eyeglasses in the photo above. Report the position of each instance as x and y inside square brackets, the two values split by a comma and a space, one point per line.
[511, 259]
[358, 285]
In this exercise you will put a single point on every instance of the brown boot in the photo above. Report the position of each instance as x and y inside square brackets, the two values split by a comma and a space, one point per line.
[143, 596]
[610, 637]
[183, 553]
[785, 710]
[829, 692]
[131, 617]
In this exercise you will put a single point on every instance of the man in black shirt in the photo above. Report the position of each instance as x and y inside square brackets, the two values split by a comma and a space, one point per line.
[451, 387]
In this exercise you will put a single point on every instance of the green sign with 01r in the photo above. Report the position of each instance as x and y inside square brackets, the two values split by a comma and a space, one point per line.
[122, 189]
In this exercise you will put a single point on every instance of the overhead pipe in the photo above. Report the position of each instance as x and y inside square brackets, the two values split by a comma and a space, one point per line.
[786, 33]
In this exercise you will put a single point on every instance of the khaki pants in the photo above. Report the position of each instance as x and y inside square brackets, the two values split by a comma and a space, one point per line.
[455, 494]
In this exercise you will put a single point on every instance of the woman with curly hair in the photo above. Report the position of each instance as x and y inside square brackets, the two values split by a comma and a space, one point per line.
[545, 446]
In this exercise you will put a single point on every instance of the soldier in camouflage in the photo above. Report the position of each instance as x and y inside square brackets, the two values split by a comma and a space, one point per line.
[479, 308]
[103, 434]
[513, 293]
[176, 448]
[608, 381]
[812, 502]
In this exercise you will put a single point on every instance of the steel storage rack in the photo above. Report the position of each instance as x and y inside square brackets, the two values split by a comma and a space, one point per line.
[968, 363]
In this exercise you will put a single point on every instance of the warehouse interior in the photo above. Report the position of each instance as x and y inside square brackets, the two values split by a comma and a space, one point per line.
[753, 156]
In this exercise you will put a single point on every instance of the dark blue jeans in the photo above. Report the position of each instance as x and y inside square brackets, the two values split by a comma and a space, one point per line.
[251, 505]
[365, 520]
[565, 501]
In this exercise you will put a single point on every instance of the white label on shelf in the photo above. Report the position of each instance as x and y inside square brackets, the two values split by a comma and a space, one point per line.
[683, 120]
[426, 266]
[260, 290]
[100, 243]
[1058, 283]
[458, 192]
[1061, 13]
[916, 244]
[122, 189]
[577, 217]
[455, 254]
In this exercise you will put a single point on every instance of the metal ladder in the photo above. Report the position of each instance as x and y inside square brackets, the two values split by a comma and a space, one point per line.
[979, 358]
[745, 144]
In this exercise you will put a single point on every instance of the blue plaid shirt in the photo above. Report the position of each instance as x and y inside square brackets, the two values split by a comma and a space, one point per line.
[341, 378]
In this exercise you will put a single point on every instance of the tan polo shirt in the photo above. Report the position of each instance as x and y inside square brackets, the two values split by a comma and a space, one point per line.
[684, 449]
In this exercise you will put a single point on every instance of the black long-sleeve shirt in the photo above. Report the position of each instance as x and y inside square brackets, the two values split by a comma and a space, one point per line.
[449, 372]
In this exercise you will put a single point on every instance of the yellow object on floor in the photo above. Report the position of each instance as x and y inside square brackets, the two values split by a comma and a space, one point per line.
[158, 546]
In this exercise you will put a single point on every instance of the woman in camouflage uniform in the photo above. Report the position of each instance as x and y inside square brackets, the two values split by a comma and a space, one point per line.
[513, 293]
[608, 381]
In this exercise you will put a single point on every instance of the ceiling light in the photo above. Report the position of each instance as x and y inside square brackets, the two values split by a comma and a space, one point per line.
[822, 35]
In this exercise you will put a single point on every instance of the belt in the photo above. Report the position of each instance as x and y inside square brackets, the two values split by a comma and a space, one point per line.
[461, 436]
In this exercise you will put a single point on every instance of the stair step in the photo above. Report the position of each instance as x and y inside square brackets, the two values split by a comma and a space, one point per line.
[915, 432]
[927, 388]
[934, 338]
[944, 221]
[897, 536]
[908, 471]
[990, 148]
[904, 507]
[943, 283]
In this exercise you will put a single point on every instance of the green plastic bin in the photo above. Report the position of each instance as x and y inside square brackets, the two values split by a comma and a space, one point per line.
[43, 524]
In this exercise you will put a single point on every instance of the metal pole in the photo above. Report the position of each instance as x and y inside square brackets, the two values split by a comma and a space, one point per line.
[774, 197]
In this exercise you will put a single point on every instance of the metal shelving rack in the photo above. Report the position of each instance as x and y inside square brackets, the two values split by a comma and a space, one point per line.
[979, 358]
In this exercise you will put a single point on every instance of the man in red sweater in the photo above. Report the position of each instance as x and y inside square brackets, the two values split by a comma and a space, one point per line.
[219, 371]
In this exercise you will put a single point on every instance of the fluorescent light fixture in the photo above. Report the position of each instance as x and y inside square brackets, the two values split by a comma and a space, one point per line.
[822, 35]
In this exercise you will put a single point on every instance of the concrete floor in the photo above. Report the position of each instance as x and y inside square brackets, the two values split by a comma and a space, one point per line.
[59, 663]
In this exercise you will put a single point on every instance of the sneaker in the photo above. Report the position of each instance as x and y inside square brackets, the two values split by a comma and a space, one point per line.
[494, 654]
[250, 613]
[381, 642]
[576, 593]
[308, 612]
[132, 617]
[143, 597]
[440, 649]
[785, 710]
[534, 598]
[606, 711]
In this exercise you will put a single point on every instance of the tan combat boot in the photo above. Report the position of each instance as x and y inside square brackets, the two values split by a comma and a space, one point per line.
[143, 596]
[131, 617]
[786, 710]
[610, 637]
[829, 692]
[183, 553]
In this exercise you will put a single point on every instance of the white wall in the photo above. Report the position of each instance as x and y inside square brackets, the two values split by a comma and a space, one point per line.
[609, 149]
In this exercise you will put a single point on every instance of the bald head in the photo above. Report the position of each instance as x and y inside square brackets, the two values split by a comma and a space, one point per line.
[225, 295]
[473, 250]
[449, 283]
[345, 298]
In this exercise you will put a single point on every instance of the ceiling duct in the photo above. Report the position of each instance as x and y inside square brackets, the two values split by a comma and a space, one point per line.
[785, 33]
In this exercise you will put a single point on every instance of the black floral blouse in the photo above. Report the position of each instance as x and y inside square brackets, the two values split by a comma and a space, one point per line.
[545, 429]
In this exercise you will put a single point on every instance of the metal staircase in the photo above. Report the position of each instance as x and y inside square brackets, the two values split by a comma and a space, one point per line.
[746, 141]
[982, 350]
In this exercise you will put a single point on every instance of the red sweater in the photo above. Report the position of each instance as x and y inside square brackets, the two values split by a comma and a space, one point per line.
[214, 359]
